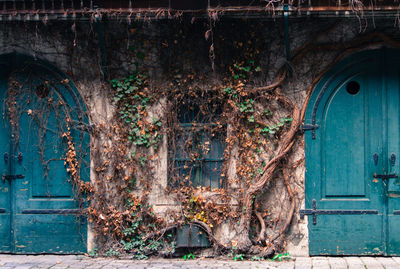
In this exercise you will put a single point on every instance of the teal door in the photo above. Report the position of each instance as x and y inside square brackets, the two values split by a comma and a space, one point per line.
[352, 158]
[40, 211]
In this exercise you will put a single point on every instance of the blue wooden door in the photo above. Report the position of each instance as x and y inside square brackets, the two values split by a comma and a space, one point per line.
[43, 207]
[352, 189]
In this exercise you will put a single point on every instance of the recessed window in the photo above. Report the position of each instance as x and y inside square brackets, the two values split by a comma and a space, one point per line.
[197, 148]
[353, 87]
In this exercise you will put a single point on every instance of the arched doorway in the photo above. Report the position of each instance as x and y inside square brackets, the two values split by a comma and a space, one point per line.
[352, 157]
[43, 125]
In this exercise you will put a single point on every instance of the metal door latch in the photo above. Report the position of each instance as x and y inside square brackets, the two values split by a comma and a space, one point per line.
[386, 176]
[11, 177]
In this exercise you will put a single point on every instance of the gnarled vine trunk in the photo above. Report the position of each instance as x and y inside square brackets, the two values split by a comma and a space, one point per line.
[244, 242]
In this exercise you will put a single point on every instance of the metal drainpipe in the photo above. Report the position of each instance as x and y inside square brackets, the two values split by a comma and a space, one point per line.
[287, 41]
[101, 46]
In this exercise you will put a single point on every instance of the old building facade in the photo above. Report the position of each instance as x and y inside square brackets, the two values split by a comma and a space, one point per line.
[66, 78]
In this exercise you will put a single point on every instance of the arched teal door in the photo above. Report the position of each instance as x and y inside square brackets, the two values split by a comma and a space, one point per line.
[42, 119]
[353, 157]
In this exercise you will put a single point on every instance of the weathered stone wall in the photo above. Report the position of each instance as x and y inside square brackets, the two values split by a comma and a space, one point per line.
[174, 46]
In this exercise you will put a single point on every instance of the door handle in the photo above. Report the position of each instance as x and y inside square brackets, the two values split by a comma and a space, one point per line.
[392, 159]
[385, 176]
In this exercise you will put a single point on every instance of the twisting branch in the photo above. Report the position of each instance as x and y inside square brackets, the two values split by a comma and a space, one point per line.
[276, 242]
[261, 235]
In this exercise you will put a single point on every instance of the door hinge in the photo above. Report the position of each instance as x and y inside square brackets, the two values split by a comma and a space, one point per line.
[309, 127]
[55, 211]
[385, 176]
[314, 212]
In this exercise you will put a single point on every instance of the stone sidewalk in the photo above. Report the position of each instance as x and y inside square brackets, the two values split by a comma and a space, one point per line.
[72, 261]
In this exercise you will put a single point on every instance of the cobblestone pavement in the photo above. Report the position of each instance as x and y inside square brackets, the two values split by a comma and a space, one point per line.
[72, 261]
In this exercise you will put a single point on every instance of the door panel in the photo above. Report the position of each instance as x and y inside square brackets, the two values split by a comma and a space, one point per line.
[49, 233]
[46, 151]
[346, 139]
[347, 235]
